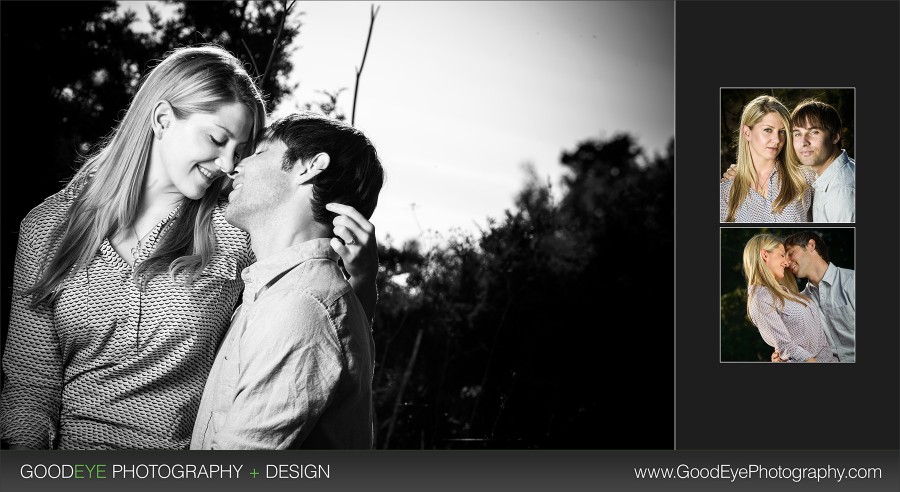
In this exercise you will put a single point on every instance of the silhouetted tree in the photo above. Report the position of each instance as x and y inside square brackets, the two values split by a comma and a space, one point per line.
[522, 324]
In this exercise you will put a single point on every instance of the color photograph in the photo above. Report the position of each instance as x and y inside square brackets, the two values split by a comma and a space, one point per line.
[788, 295]
[787, 155]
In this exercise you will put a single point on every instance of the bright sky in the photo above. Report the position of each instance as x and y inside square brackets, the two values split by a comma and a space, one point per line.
[456, 96]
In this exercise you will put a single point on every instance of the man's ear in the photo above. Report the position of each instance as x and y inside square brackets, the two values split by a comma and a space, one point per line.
[161, 117]
[836, 137]
[811, 245]
[312, 168]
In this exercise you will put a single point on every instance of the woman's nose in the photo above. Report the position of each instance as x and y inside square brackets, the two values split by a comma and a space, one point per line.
[226, 164]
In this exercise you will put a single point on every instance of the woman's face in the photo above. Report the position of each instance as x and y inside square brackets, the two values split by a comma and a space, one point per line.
[776, 261]
[197, 150]
[766, 138]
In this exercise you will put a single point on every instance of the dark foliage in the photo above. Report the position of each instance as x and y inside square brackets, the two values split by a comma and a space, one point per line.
[532, 332]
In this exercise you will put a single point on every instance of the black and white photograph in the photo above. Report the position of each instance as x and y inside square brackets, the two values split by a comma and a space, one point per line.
[335, 225]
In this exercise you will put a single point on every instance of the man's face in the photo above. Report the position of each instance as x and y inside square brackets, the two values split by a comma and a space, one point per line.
[814, 146]
[260, 186]
[799, 261]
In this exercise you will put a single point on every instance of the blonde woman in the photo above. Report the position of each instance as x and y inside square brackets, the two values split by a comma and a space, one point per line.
[787, 320]
[125, 281]
[769, 185]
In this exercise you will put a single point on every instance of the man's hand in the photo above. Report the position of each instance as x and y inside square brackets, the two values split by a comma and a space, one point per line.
[730, 173]
[776, 357]
[359, 250]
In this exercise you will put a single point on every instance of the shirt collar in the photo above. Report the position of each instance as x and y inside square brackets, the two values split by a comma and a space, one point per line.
[830, 275]
[264, 272]
[833, 170]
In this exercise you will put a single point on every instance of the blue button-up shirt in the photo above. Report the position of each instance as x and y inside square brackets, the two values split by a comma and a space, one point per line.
[295, 368]
[835, 192]
[836, 297]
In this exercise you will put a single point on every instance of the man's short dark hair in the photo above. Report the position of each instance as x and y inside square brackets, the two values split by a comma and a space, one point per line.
[354, 175]
[814, 113]
[802, 239]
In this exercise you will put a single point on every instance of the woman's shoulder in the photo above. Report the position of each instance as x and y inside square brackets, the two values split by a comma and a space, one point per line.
[808, 174]
[49, 213]
[760, 293]
[725, 185]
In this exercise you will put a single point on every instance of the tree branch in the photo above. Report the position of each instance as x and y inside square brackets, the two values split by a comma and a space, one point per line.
[284, 15]
[250, 54]
[402, 389]
[363, 64]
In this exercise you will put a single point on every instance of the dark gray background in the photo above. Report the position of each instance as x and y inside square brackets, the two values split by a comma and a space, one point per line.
[786, 44]
[472, 470]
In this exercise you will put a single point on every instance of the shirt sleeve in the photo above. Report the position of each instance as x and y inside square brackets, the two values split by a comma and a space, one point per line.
[32, 366]
[291, 365]
[772, 328]
[841, 205]
[724, 189]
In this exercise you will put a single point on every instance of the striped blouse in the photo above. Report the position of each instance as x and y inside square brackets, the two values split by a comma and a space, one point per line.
[112, 365]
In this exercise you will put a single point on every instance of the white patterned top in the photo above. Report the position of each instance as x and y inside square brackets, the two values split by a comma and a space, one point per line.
[111, 365]
[794, 330]
[758, 209]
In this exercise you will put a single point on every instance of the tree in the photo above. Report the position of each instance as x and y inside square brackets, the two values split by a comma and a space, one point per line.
[260, 33]
[517, 348]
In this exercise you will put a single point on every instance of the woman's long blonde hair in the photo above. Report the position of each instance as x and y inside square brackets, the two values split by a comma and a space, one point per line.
[107, 188]
[758, 273]
[793, 183]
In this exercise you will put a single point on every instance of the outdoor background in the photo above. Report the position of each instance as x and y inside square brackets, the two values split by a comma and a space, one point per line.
[734, 100]
[525, 230]
[741, 341]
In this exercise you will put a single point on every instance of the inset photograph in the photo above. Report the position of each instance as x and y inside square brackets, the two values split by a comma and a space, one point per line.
[787, 155]
[788, 294]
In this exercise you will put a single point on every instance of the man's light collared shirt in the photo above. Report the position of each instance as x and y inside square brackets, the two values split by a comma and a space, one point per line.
[836, 297]
[835, 192]
[295, 368]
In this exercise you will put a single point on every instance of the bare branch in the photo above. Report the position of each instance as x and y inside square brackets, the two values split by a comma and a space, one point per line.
[243, 12]
[284, 15]
[406, 375]
[363, 64]
[250, 54]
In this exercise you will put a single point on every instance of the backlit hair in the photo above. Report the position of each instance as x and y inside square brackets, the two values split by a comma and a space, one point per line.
[793, 183]
[814, 113]
[107, 188]
[757, 272]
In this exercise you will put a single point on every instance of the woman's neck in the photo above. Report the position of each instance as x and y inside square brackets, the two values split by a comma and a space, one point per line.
[764, 169]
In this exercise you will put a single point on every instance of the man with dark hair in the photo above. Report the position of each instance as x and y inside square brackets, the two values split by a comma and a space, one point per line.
[816, 134]
[816, 131]
[833, 289]
[295, 368]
